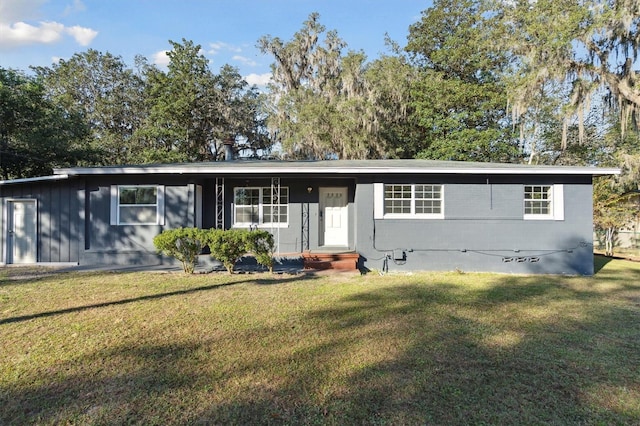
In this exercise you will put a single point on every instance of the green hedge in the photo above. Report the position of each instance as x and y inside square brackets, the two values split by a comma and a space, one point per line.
[260, 243]
[227, 246]
[184, 244]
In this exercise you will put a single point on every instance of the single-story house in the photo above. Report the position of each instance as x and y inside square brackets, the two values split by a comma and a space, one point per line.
[394, 214]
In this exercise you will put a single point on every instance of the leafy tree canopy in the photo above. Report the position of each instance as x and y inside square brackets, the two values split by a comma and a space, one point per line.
[109, 97]
[36, 134]
[328, 104]
[193, 111]
[459, 101]
[583, 45]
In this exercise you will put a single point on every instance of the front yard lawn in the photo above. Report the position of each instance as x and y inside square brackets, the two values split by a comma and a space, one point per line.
[429, 348]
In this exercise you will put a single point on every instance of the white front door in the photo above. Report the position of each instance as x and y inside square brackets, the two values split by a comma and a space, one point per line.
[21, 241]
[334, 217]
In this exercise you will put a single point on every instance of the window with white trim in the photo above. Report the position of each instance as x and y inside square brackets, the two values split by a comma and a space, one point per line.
[411, 201]
[260, 206]
[538, 200]
[137, 205]
[544, 202]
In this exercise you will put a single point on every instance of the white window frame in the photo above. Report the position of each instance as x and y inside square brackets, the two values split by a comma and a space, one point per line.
[379, 201]
[116, 206]
[556, 198]
[261, 205]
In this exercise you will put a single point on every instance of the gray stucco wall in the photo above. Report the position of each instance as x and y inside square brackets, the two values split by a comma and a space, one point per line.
[483, 225]
[60, 233]
[483, 222]
[109, 243]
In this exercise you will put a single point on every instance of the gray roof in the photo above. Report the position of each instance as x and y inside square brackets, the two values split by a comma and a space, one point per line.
[346, 167]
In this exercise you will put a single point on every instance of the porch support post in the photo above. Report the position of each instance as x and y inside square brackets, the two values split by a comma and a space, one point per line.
[219, 203]
[305, 226]
[275, 213]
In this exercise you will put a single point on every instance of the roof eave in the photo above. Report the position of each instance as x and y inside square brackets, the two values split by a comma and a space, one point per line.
[127, 170]
[61, 176]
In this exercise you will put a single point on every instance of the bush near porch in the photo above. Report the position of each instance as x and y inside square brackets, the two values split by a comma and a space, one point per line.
[227, 246]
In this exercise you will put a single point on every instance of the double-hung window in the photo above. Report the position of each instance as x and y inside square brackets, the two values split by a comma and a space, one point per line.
[402, 201]
[260, 206]
[137, 205]
[543, 202]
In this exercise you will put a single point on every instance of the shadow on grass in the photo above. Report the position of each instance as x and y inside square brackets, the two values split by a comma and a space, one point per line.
[150, 297]
[460, 365]
[520, 351]
[599, 262]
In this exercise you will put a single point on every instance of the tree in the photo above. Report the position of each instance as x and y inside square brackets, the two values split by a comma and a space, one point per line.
[109, 96]
[192, 111]
[35, 133]
[238, 113]
[613, 197]
[583, 46]
[321, 103]
[612, 210]
[178, 127]
[459, 101]
[388, 81]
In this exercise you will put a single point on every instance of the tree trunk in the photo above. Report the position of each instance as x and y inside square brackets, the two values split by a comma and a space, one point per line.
[608, 241]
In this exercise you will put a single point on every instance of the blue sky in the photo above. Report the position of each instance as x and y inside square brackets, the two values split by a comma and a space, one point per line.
[39, 32]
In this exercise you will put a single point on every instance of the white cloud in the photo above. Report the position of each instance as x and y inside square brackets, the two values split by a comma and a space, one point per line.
[217, 46]
[258, 79]
[22, 33]
[245, 60]
[16, 31]
[161, 58]
[84, 36]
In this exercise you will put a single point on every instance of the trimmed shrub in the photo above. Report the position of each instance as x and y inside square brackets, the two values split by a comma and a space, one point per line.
[227, 246]
[260, 244]
[183, 244]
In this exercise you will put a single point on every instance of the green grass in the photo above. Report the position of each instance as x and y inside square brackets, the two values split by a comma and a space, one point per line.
[630, 252]
[148, 348]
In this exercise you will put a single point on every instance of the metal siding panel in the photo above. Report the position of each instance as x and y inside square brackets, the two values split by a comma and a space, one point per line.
[55, 224]
[65, 222]
[198, 207]
[77, 217]
[57, 218]
[45, 225]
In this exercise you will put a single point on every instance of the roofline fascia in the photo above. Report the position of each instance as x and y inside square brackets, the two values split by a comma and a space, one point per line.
[55, 177]
[128, 170]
